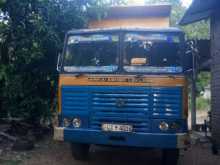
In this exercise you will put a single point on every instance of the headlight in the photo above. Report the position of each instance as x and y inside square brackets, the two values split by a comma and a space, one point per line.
[76, 122]
[175, 126]
[66, 122]
[164, 126]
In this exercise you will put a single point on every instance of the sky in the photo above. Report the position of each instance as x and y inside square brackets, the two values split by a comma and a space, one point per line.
[185, 3]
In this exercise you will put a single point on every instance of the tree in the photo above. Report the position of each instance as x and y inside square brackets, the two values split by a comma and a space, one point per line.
[32, 35]
[198, 30]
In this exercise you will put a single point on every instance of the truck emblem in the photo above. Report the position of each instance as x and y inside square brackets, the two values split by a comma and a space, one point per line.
[120, 103]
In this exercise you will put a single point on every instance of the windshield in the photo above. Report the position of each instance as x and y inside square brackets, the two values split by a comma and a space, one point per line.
[152, 52]
[92, 53]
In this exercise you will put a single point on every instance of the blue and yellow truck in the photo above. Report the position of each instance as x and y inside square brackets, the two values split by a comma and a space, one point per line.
[122, 83]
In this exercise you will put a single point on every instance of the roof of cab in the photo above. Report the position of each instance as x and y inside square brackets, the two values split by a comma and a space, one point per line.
[106, 30]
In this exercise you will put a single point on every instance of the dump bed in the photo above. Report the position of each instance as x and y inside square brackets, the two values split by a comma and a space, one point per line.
[154, 16]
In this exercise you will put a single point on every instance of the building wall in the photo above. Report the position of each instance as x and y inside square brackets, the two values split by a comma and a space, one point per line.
[132, 22]
[215, 82]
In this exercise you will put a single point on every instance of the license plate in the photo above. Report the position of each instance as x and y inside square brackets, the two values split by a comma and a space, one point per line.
[117, 128]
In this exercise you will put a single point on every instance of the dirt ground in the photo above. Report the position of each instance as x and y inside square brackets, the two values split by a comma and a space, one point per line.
[200, 117]
[49, 152]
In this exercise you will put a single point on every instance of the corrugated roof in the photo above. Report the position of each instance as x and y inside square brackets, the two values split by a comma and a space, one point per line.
[139, 11]
[200, 9]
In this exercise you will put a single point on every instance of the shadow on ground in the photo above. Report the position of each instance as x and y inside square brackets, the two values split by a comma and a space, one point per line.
[110, 156]
[48, 152]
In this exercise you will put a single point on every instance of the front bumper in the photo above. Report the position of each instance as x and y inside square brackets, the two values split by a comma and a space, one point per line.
[149, 140]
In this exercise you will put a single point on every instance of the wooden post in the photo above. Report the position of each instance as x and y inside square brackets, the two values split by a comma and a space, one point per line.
[215, 81]
[193, 89]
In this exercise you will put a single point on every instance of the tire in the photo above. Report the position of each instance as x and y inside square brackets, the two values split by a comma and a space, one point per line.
[170, 156]
[214, 149]
[80, 151]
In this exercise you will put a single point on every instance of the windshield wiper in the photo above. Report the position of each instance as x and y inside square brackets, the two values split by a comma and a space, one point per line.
[139, 76]
[77, 75]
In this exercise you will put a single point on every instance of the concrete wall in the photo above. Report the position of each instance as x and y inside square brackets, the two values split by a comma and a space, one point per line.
[215, 82]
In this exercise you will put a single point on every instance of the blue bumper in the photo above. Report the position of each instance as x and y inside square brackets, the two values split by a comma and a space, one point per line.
[148, 140]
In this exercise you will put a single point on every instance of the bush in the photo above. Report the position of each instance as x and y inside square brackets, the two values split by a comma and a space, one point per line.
[203, 104]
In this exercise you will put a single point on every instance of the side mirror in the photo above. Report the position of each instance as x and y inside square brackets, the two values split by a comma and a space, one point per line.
[188, 57]
[59, 62]
[188, 61]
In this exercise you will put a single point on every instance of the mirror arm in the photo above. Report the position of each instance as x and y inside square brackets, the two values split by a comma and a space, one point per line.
[58, 63]
[188, 71]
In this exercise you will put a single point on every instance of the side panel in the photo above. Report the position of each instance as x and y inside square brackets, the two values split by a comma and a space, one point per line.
[132, 22]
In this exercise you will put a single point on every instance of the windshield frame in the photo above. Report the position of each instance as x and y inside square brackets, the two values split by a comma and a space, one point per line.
[121, 48]
[118, 33]
[181, 37]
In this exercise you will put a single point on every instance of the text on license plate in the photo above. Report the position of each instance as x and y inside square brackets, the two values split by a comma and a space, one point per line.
[117, 128]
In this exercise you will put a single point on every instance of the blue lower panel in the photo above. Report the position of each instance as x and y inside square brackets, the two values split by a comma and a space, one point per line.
[148, 140]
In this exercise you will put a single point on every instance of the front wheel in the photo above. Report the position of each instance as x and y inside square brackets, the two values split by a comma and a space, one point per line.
[214, 149]
[170, 156]
[80, 151]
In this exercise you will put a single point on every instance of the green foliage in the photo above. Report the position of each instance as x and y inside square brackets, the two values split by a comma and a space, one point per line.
[199, 30]
[97, 8]
[202, 104]
[203, 82]
[32, 35]
[2, 2]
[10, 162]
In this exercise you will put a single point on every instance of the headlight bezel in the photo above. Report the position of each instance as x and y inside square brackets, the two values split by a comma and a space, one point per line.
[67, 122]
[76, 122]
[164, 126]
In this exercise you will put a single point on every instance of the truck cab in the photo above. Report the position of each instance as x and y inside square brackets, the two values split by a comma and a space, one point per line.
[123, 87]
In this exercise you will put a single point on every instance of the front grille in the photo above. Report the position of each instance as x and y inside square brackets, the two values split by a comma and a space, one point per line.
[134, 111]
[74, 102]
[136, 106]
[166, 102]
